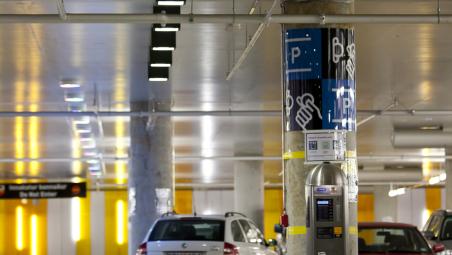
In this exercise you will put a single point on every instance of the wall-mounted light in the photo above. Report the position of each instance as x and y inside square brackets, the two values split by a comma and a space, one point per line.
[158, 73]
[170, 2]
[160, 58]
[163, 41]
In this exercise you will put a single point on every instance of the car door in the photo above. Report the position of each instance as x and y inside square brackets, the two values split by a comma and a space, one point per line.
[238, 238]
[255, 240]
[264, 249]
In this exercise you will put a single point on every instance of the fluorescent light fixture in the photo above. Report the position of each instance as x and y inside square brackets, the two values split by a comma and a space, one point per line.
[74, 97]
[90, 153]
[75, 219]
[170, 2]
[160, 58]
[166, 27]
[163, 41]
[82, 128]
[81, 120]
[158, 74]
[85, 137]
[160, 65]
[93, 161]
[163, 48]
[91, 144]
[165, 9]
[397, 192]
[94, 169]
[76, 107]
[69, 84]
[434, 180]
[158, 79]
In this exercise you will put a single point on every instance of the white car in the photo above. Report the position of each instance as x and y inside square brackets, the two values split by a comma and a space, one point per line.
[229, 234]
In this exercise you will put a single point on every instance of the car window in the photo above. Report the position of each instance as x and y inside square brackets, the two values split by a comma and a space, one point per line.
[188, 230]
[252, 233]
[384, 240]
[237, 234]
[447, 229]
[260, 236]
[435, 226]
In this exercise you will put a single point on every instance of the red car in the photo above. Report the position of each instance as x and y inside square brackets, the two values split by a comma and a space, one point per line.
[392, 239]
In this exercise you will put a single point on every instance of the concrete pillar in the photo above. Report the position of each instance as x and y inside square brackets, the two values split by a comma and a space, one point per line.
[448, 185]
[314, 74]
[151, 171]
[249, 190]
[385, 206]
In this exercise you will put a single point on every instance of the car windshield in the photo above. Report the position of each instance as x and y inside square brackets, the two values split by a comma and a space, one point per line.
[188, 230]
[383, 240]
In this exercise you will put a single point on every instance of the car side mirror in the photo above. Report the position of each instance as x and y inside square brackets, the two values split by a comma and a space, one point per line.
[439, 247]
[429, 235]
[278, 228]
[272, 242]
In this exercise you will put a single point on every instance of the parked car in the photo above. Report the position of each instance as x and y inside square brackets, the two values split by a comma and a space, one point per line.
[438, 229]
[393, 239]
[229, 234]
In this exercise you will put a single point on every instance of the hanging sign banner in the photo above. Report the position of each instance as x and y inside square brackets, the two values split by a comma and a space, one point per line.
[320, 78]
[42, 190]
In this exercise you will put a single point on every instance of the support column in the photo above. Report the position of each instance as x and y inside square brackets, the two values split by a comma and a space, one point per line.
[318, 94]
[385, 206]
[249, 190]
[151, 172]
[448, 185]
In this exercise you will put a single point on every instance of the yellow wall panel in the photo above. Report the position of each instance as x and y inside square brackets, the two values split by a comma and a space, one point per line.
[432, 199]
[366, 207]
[183, 201]
[273, 207]
[83, 246]
[116, 223]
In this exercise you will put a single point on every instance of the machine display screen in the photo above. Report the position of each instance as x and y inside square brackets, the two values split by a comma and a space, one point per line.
[325, 210]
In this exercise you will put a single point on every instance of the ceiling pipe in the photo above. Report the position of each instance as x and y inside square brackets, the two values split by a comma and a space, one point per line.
[194, 159]
[147, 18]
[231, 113]
[412, 175]
[421, 139]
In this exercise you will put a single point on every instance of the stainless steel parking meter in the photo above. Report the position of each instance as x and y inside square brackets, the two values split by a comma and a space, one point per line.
[327, 214]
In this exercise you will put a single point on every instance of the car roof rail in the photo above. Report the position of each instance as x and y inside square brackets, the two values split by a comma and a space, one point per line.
[230, 214]
[172, 213]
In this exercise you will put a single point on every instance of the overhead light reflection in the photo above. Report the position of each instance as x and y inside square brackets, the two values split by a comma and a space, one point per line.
[120, 222]
[34, 234]
[19, 228]
[75, 219]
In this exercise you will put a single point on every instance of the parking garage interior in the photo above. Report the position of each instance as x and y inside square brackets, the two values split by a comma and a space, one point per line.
[115, 114]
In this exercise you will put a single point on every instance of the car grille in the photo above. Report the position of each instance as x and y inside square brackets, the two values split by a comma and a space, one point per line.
[185, 253]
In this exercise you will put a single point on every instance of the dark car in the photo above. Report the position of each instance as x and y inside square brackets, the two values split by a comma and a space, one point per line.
[438, 228]
[393, 239]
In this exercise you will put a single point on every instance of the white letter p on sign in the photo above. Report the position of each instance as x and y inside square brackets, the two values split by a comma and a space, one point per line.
[295, 53]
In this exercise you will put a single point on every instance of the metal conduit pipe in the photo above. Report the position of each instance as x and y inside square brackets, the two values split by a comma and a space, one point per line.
[190, 159]
[250, 113]
[422, 139]
[147, 18]
[412, 175]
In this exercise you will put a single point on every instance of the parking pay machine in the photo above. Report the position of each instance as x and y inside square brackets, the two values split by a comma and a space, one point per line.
[327, 210]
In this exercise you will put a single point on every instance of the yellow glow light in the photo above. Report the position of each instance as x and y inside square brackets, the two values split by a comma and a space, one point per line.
[120, 166]
[120, 230]
[75, 219]
[76, 165]
[19, 228]
[34, 235]
[33, 134]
